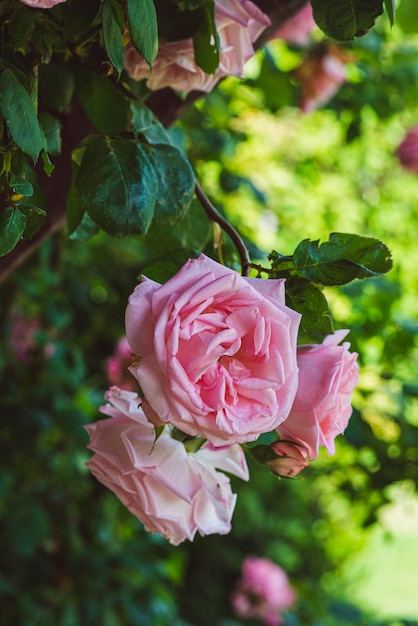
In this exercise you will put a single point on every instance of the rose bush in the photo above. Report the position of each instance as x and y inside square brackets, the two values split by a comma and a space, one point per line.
[171, 491]
[263, 592]
[238, 22]
[216, 351]
[328, 374]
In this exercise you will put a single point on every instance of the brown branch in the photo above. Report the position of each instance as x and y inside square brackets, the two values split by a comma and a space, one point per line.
[214, 216]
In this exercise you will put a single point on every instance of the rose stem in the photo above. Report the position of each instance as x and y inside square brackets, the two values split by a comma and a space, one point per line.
[214, 216]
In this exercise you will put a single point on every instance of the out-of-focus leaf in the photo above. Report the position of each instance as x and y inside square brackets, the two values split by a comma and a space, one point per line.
[51, 128]
[56, 85]
[21, 25]
[78, 15]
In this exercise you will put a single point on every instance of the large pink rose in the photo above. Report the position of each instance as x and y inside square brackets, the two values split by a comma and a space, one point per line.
[328, 374]
[239, 23]
[263, 592]
[42, 4]
[171, 491]
[216, 352]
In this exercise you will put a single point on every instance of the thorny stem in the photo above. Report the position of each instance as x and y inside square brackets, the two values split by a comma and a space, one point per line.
[214, 216]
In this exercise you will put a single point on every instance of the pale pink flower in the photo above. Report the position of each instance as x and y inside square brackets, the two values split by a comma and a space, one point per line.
[172, 492]
[263, 592]
[216, 351]
[298, 28]
[117, 366]
[239, 23]
[321, 75]
[42, 4]
[407, 151]
[328, 373]
[290, 459]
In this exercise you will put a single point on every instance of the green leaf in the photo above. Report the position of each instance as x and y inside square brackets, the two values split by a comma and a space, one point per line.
[113, 23]
[342, 259]
[143, 28]
[12, 226]
[78, 15]
[21, 186]
[20, 115]
[117, 185]
[305, 298]
[93, 91]
[390, 9]
[51, 128]
[145, 123]
[407, 16]
[206, 41]
[176, 183]
[22, 23]
[56, 85]
[85, 230]
[345, 19]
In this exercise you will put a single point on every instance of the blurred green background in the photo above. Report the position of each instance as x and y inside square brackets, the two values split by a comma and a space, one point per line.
[346, 531]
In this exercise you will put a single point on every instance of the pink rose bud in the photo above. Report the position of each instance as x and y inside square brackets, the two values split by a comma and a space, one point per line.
[321, 75]
[172, 492]
[42, 4]
[263, 592]
[407, 151]
[290, 459]
[239, 23]
[216, 351]
[298, 28]
[328, 373]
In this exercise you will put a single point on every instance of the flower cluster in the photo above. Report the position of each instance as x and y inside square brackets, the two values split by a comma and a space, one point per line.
[263, 592]
[238, 22]
[216, 358]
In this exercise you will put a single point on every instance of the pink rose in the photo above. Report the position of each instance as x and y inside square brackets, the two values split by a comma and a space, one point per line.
[407, 151]
[328, 374]
[117, 366]
[217, 352]
[171, 491]
[42, 4]
[290, 459]
[263, 592]
[239, 23]
[298, 28]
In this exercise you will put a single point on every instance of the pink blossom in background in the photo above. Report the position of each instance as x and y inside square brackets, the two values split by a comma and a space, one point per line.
[216, 351]
[298, 28]
[263, 592]
[239, 23]
[117, 366]
[42, 4]
[172, 492]
[22, 340]
[328, 373]
[290, 459]
[407, 151]
[321, 75]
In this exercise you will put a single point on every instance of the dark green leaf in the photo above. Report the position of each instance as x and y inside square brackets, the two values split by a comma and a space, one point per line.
[164, 268]
[79, 15]
[20, 116]
[143, 122]
[113, 23]
[175, 181]
[21, 26]
[342, 259]
[56, 85]
[85, 230]
[304, 297]
[34, 219]
[118, 186]
[21, 186]
[346, 19]
[12, 226]
[74, 209]
[390, 9]
[93, 91]
[143, 28]
[206, 41]
[51, 128]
